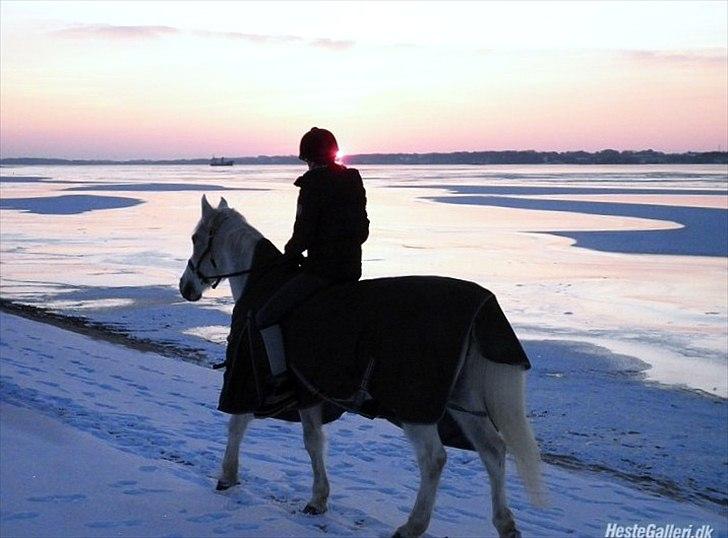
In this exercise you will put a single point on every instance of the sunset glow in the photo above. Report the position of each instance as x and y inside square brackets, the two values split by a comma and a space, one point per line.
[141, 80]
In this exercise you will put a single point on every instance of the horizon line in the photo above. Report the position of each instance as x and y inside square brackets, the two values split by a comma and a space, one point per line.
[720, 150]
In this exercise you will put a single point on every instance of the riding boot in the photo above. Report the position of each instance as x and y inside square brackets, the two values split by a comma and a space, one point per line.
[273, 341]
[279, 393]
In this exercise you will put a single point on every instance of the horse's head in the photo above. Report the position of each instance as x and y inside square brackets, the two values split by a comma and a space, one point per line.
[202, 261]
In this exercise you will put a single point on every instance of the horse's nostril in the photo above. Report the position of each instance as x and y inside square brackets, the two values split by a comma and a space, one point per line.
[187, 291]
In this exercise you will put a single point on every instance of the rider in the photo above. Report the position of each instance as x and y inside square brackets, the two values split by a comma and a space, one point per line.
[331, 225]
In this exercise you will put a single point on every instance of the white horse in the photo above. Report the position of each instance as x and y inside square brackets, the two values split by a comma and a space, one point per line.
[224, 243]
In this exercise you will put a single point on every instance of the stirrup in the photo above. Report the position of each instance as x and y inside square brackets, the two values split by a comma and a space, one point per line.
[279, 395]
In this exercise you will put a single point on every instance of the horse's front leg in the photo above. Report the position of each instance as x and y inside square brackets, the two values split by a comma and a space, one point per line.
[314, 440]
[236, 430]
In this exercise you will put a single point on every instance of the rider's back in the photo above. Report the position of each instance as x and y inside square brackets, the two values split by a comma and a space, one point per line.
[332, 222]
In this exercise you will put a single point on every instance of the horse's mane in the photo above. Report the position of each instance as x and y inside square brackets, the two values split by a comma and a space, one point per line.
[230, 213]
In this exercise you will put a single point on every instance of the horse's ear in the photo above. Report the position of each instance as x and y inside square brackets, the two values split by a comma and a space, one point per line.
[223, 204]
[206, 207]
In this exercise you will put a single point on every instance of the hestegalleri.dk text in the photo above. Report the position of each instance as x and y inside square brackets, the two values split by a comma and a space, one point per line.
[652, 530]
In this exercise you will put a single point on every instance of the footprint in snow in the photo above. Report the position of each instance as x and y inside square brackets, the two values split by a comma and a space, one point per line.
[144, 491]
[58, 498]
[106, 386]
[209, 518]
[122, 483]
[49, 383]
[119, 377]
[114, 524]
[19, 516]
[152, 370]
[240, 527]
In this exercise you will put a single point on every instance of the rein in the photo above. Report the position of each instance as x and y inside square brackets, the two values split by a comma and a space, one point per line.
[215, 279]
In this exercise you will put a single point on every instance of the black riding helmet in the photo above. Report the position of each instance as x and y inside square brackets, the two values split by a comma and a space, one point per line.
[318, 146]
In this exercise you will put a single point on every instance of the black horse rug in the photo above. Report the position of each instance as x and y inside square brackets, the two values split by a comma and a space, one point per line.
[393, 347]
[389, 347]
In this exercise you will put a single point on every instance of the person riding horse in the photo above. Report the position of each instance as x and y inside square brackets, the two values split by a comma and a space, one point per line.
[420, 351]
[331, 226]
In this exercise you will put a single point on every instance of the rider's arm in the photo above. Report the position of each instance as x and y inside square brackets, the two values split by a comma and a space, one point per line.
[307, 214]
[363, 231]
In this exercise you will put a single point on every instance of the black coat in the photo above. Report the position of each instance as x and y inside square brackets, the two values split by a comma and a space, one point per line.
[331, 222]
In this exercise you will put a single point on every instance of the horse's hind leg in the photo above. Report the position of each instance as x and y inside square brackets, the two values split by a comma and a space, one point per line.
[492, 451]
[314, 441]
[431, 459]
[236, 430]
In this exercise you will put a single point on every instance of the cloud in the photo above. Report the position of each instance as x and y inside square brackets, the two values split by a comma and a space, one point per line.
[699, 56]
[705, 57]
[267, 39]
[332, 44]
[107, 31]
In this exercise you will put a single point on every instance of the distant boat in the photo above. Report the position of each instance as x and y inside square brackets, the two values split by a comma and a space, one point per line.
[221, 162]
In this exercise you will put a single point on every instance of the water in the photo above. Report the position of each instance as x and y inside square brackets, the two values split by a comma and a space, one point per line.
[647, 276]
[614, 277]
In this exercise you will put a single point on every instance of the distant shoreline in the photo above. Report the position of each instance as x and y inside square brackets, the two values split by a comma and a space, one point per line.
[607, 156]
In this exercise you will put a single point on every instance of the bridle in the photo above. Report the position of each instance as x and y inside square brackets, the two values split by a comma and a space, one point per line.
[213, 280]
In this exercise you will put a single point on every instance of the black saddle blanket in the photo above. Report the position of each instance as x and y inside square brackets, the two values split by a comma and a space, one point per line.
[388, 347]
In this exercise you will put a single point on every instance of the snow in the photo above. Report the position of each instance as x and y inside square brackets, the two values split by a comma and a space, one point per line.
[101, 440]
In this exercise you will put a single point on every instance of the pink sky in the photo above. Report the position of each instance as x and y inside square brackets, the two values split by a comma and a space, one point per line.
[140, 80]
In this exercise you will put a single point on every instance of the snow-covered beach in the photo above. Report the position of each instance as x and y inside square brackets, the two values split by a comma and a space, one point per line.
[102, 440]
[626, 331]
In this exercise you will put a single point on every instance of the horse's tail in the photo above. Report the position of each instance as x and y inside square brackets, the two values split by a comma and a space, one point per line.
[505, 401]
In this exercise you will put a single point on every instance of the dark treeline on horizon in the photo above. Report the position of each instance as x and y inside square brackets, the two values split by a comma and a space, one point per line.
[607, 156]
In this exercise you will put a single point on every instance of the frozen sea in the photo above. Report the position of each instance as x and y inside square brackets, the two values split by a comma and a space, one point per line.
[614, 277]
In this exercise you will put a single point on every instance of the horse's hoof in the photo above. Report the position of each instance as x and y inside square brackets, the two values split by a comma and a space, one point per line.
[222, 486]
[404, 532]
[313, 511]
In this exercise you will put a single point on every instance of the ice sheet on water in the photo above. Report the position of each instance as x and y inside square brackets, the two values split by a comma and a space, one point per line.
[703, 231]
[159, 187]
[67, 205]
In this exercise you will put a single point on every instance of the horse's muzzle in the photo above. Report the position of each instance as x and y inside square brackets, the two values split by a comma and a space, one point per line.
[188, 291]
